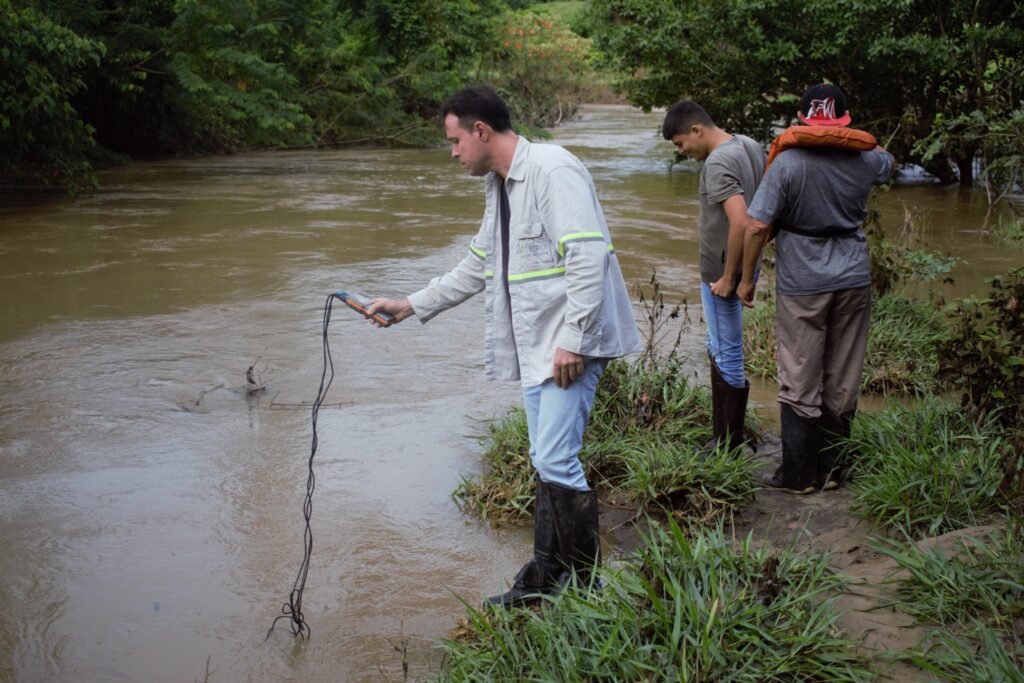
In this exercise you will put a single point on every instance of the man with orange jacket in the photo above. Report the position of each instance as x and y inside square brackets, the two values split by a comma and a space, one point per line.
[816, 199]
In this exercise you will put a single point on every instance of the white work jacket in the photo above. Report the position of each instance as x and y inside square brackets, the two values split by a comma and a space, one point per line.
[565, 288]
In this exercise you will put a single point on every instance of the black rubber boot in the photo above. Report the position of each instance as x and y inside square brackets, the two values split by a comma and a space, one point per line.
[542, 574]
[728, 412]
[801, 440]
[576, 526]
[832, 462]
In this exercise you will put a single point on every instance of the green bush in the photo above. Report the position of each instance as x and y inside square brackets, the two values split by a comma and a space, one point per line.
[974, 592]
[983, 358]
[1010, 230]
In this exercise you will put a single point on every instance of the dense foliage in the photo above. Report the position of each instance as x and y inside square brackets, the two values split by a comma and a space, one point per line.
[42, 63]
[94, 77]
[930, 79]
[984, 357]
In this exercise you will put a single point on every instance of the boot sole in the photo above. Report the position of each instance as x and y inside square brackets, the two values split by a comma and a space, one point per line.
[526, 600]
[779, 486]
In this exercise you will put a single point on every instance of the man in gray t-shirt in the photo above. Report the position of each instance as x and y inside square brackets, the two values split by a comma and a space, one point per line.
[816, 200]
[732, 168]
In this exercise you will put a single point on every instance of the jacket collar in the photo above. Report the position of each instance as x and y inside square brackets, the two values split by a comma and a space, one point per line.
[517, 171]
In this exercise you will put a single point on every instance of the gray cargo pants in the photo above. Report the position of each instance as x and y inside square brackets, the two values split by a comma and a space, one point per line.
[822, 339]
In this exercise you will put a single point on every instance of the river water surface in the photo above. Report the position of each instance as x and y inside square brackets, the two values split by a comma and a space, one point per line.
[151, 511]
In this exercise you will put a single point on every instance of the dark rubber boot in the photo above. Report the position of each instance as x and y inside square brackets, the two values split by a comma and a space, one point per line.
[728, 412]
[801, 440]
[540, 576]
[735, 414]
[576, 526]
[832, 462]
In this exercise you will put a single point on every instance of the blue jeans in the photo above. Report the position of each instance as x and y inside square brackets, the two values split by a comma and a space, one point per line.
[725, 334]
[556, 419]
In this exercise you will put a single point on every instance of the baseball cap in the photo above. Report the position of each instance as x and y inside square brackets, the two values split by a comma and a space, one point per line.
[823, 105]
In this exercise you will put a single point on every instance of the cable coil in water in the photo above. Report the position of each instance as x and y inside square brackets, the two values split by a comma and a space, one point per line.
[292, 609]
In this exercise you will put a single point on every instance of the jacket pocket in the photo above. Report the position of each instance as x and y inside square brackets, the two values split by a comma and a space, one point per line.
[530, 247]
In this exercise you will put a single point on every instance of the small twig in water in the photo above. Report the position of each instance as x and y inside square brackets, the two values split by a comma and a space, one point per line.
[195, 405]
[207, 673]
[254, 384]
[402, 648]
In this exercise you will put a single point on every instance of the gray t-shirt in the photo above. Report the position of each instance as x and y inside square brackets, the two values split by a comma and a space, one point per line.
[820, 190]
[734, 167]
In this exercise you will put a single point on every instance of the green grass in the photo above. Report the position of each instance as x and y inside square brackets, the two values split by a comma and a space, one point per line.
[682, 608]
[1010, 230]
[974, 594]
[646, 433]
[991, 656]
[902, 353]
[980, 579]
[926, 469]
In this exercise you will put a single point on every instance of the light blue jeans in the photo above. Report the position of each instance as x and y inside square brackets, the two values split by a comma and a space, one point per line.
[725, 334]
[556, 418]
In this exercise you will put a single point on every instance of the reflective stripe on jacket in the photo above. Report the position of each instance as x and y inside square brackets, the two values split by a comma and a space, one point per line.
[565, 285]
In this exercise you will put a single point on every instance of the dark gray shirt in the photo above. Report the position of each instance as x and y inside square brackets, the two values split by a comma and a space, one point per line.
[734, 167]
[820, 190]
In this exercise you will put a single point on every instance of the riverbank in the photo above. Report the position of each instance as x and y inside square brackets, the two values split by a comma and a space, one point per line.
[915, 563]
[939, 565]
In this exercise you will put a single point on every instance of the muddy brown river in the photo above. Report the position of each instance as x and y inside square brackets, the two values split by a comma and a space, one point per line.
[151, 511]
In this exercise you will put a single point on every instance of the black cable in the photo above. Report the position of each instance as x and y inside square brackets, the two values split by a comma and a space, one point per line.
[293, 608]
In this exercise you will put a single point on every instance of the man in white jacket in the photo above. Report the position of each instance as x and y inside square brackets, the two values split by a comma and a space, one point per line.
[557, 310]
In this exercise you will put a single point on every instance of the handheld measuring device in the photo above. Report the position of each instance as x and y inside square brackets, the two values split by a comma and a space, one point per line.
[361, 304]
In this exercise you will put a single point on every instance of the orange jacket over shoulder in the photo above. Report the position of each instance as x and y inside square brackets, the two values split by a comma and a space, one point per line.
[819, 136]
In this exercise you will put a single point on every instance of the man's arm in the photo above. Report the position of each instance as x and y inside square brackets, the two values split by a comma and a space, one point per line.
[755, 235]
[736, 211]
[884, 177]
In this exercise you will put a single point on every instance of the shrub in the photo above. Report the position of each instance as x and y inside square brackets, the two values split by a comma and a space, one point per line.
[984, 357]
[1010, 230]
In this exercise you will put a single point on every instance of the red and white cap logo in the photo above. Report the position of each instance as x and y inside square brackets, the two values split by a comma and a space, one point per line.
[822, 109]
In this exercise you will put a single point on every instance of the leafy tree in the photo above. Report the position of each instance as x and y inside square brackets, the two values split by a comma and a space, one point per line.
[225, 55]
[41, 133]
[907, 66]
[91, 77]
[541, 68]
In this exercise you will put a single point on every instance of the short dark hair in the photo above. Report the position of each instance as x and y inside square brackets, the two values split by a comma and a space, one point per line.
[681, 115]
[478, 103]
